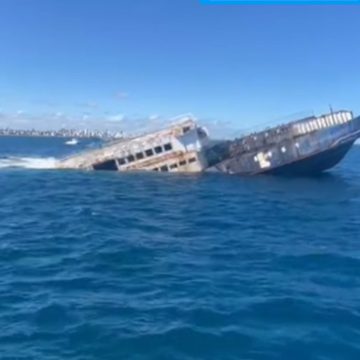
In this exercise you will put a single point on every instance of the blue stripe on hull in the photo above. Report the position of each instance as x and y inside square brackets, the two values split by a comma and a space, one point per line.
[314, 164]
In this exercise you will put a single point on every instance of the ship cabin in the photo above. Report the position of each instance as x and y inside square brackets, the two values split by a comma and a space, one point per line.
[178, 148]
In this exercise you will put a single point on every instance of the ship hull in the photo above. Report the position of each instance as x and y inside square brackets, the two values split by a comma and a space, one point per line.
[314, 164]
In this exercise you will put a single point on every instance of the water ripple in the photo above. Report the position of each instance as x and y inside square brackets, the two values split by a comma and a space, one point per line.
[109, 266]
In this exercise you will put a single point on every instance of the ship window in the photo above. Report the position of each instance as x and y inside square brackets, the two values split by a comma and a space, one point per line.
[167, 147]
[182, 162]
[186, 129]
[121, 161]
[173, 166]
[158, 149]
[130, 158]
[164, 168]
[149, 152]
[155, 169]
[139, 156]
[191, 160]
[283, 149]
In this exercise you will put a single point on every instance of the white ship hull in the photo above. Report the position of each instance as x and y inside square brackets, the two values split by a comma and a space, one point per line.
[179, 148]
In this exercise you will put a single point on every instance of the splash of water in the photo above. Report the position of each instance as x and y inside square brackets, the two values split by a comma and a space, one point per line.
[28, 163]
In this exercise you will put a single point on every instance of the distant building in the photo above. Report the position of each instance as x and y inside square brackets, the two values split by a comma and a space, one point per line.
[86, 133]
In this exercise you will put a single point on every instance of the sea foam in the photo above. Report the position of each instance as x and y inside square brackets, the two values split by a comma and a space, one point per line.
[28, 162]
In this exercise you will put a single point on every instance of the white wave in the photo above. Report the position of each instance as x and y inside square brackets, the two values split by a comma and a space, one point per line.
[28, 163]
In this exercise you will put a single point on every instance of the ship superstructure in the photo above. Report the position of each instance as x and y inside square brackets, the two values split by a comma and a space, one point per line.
[177, 148]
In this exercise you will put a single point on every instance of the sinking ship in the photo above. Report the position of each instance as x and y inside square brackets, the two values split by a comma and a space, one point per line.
[177, 148]
[301, 147]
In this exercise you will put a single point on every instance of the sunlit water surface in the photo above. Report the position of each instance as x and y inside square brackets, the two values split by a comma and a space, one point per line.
[161, 266]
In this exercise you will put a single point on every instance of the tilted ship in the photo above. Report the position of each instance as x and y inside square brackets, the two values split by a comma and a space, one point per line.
[178, 148]
[302, 147]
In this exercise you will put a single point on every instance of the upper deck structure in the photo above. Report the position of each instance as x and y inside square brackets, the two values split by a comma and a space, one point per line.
[177, 148]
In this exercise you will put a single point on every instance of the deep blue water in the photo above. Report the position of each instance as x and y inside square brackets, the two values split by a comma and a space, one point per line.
[159, 266]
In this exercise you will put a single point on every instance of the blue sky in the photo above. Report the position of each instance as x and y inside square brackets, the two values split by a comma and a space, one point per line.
[116, 63]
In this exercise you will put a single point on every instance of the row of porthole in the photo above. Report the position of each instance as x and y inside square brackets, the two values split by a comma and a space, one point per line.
[323, 122]
[142, 154]
[174, 165]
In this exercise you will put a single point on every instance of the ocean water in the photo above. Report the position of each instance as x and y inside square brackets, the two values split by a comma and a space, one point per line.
[160, 266]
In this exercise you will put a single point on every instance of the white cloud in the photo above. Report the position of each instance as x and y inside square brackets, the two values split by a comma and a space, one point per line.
[219, 128]
[110, 121]
[21, 121]
[154, 117]
[116, 118]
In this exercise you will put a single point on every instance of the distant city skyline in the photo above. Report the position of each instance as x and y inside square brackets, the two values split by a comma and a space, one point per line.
[124, 65]
[73, 133]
